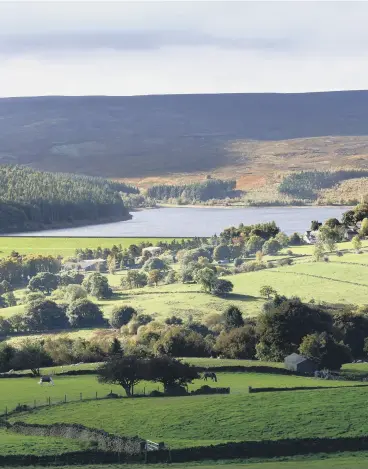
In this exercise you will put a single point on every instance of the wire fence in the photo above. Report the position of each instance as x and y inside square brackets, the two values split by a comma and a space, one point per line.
[49, 401]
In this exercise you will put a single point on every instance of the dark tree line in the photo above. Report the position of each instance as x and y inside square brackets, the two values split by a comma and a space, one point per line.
[201, 191]
[33, 199]
[306, 184]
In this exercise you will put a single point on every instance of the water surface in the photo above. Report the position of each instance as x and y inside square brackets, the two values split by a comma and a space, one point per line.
[177, 222]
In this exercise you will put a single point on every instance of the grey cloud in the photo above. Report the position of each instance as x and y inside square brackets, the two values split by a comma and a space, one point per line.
[132, 41]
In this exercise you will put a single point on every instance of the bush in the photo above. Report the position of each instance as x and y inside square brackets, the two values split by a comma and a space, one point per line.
[238, 262]
[208, 390]
[222, 287]
[22, 408]
[112, 395]
[44, 315]
[84, 313]
[97, 285]
[270, 247]
[237, 343]
[154, 263]
[121, 315]
[73, 292]
[179, 341]
[285, 261]
[44, 282]
[252, 266]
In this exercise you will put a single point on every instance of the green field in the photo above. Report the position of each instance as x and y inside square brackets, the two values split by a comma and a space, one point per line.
[341, 280]
[357, 460]
[340, 411]
[27, 391]
[64, 247]
[12, 443]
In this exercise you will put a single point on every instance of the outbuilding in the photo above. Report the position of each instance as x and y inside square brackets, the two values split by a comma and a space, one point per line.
[299, 364]
[87, 265]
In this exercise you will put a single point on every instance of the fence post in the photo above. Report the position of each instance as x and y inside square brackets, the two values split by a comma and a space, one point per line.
[65, 398]
[80, 396]
[6, 412]
[49, 401]
[96, 395]
[144, 391]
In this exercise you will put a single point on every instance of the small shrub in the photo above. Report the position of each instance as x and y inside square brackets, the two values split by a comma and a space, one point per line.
[326, 259]
[22, 408]
[112, 395]
[289, 252]
[208, 390]
[156, 394]
[286, 261]
[339, 254]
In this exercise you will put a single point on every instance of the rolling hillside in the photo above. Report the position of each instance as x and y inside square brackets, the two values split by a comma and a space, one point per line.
[181, 136]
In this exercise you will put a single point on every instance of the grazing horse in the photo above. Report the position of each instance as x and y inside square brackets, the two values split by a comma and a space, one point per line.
[210, 375]
[46, 379]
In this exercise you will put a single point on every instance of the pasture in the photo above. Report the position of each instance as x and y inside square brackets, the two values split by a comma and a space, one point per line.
[205, 420]
[65, 247]
[27, 391]
[341, 280]
[12, 443]
[329, 412]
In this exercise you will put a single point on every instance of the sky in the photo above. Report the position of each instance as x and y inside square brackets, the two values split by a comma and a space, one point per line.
[138, 48]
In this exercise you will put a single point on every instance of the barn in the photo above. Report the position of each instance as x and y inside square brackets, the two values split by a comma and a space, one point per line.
[299, 364]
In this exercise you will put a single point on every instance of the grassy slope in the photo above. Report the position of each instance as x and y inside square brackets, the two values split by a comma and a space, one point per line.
[235, 417]
[64, 246]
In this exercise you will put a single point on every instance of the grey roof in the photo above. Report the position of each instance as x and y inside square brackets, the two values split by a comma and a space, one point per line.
[85, 263]
[296, 358]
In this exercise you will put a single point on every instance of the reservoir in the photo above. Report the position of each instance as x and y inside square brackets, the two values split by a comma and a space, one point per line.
[188, 222]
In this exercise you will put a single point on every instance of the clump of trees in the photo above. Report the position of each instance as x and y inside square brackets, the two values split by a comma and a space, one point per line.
[128, 371]
[200, 192]
[306, 184]
[97, 285]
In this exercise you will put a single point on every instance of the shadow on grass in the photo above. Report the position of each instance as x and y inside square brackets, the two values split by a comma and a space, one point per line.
[240, 297]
